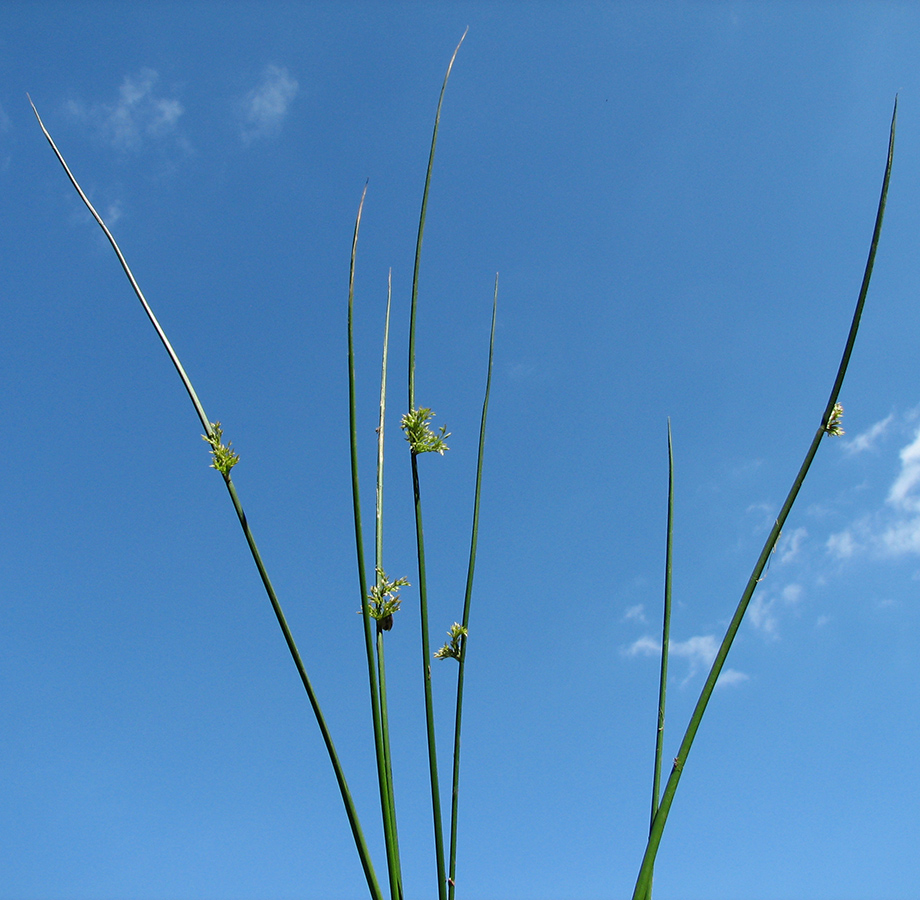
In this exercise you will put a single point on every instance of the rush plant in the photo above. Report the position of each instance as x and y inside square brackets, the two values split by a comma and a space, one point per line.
[380, 595]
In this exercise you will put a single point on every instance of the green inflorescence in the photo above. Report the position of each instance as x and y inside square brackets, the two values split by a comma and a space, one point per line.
[420, 436]
[224, 459]
[833, 423]
[384, 600]
[453, 648]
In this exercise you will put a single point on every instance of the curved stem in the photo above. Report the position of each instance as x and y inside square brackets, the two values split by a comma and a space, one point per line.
[648, 861]
[421, 229]
[350, 810]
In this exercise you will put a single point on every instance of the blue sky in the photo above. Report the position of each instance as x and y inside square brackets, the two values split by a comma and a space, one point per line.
[679, 199]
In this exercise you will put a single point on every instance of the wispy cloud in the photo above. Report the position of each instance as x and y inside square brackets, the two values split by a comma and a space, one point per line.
[900, 496]
[843, 544]
[790, 545]
[894, 528]
[868, 439]
[635, 613]
[698, 651]
[730, 677]
[266, 106]
[644, 646]
[140, 114]
[765, 607]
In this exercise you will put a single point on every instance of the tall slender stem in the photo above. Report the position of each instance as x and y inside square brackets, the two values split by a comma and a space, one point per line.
[665, 642]
[421, 228]
[426, 675]
[367, 621]
[416, 491]
[350, 810]
[474, 540]
[830, 412]
[390, 832]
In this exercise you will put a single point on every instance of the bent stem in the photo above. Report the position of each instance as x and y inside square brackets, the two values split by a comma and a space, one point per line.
[224, 460]
[830, 424]
[474, 540]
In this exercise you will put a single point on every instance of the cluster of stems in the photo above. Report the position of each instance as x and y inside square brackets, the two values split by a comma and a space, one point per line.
[381, 601]
[422, 439]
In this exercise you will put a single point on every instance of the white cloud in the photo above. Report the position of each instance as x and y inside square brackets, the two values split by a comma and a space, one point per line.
[868, 438]
[842, 544]
[113, 213]
[730, 677]
[894, 528]
[902, 537]
[790, 546]
[900, 493]
[636, 613]
[765, 607]
[139, 114]
[644, 646]
[698, 651]
[265, 107]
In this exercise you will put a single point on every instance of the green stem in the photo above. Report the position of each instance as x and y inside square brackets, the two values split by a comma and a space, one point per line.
[420, 540]
[368, 623]
[390, 833]
[426, 674]
[645, 872]
[474, 540]
[665, 643]
[421, 229]
[350, 810]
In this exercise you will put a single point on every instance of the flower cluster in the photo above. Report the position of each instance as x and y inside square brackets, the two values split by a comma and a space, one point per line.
[833, 423]
[384, 600]
[224, 458]
[453, 648]
[420, 437]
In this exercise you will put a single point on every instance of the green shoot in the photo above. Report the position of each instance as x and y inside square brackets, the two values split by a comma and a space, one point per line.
[423, 440]
[223, 460]
[457, 635]
[420, 436]
[830, 424]
[665, 641]
[467, 601]
[386, 810]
